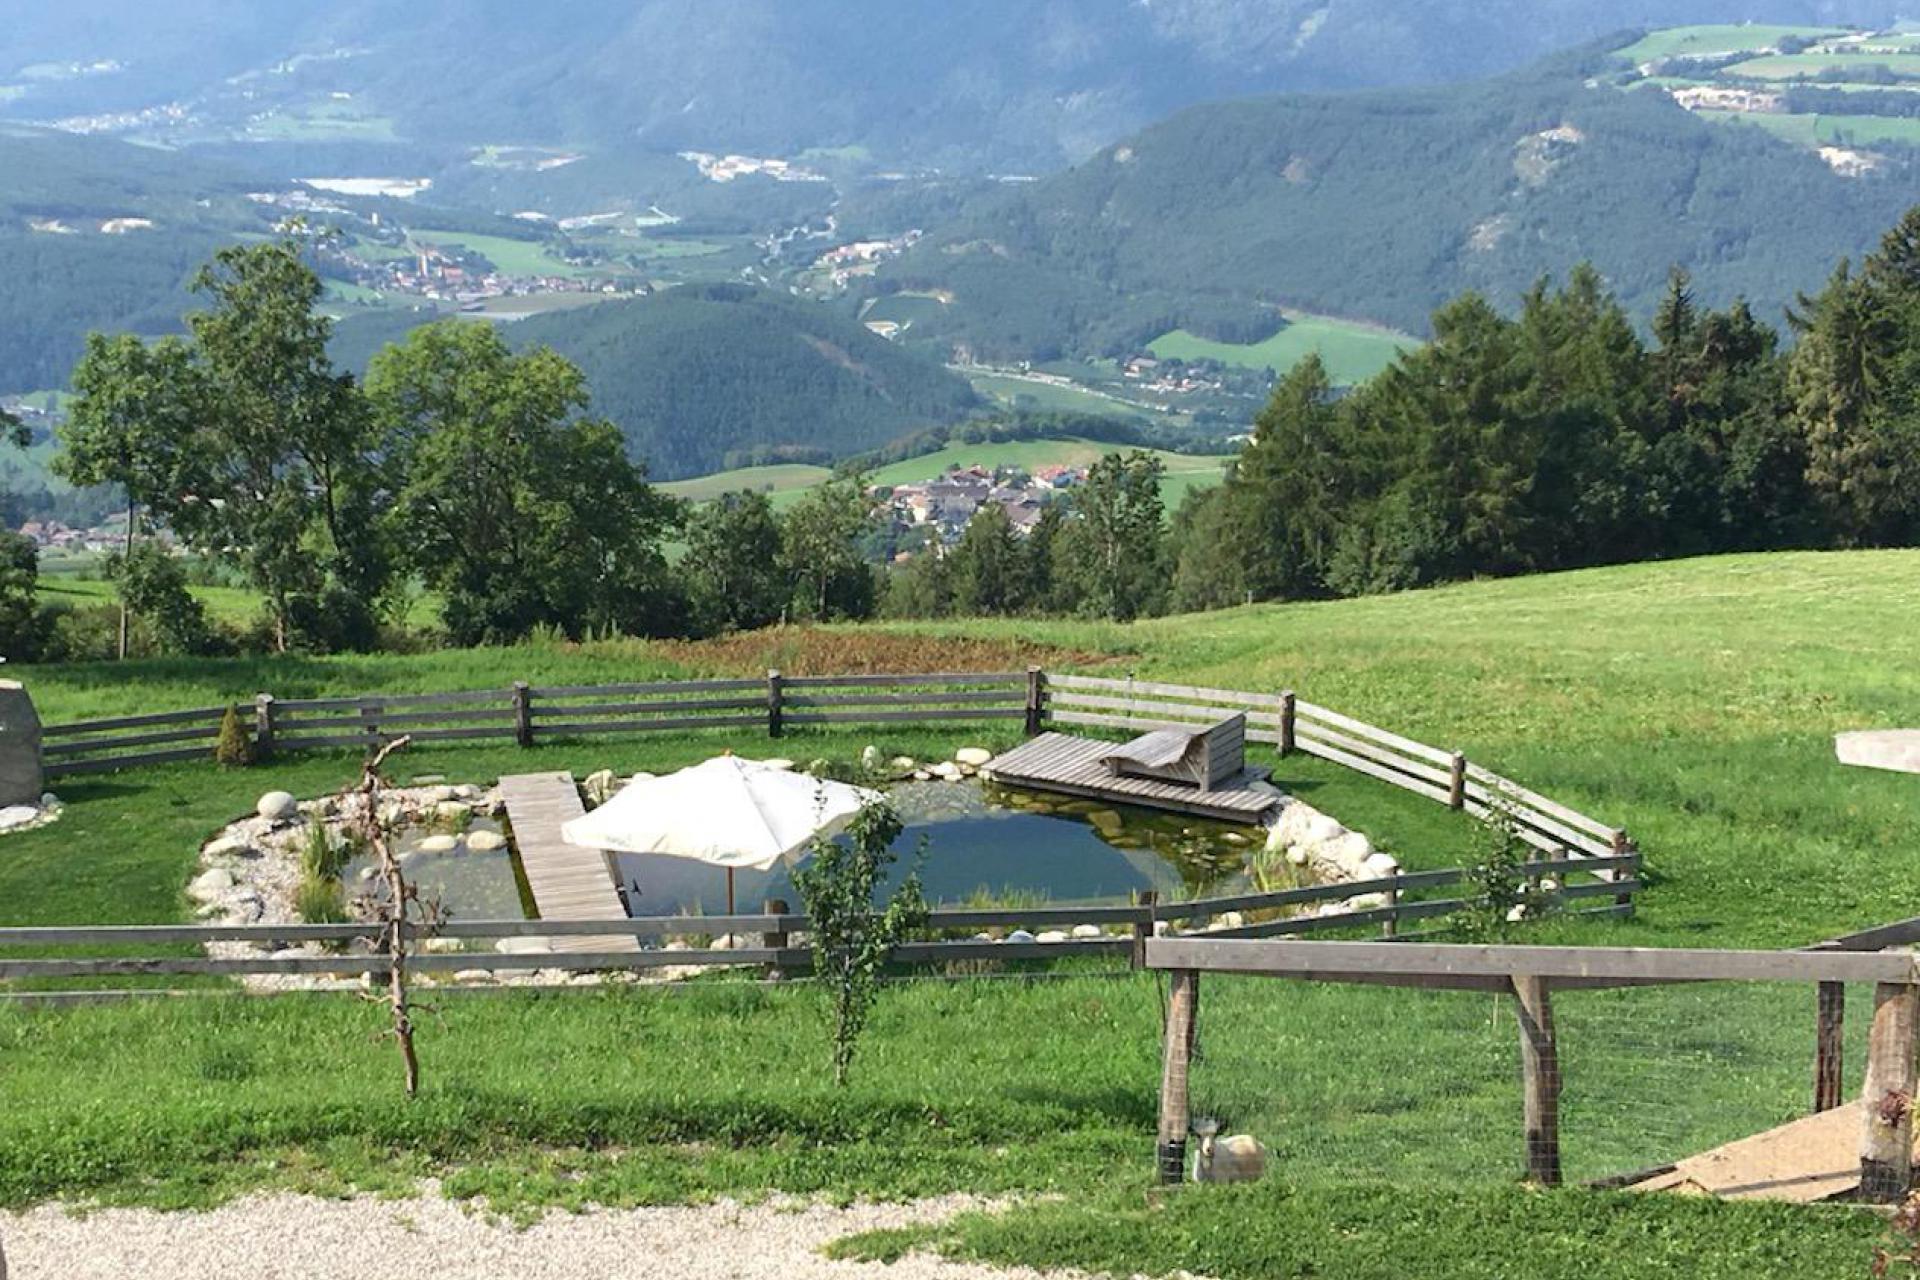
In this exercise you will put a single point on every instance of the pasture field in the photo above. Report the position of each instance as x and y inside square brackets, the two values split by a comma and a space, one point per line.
[512, 257]
[779, 478]
[1805, 66]
[1712, 38]
[1352, 352]
[1691, 702]
[1184, 470]
[1025, 393]
[239, 605]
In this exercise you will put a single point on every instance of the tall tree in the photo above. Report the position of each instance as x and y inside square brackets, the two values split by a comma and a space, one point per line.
[283, 481]
[822, 535]
[521, 511]
[986, 565]
[132, 423]
[733, 563]
[1116, 546]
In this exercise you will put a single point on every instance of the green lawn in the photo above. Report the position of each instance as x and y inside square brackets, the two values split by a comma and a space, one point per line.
[1707, 39]
[1184, 470]
[1352, 352]
[1692, 701]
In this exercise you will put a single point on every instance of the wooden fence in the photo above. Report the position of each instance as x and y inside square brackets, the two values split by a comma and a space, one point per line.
[1124, 930]
[528, 714]
[1531, 974]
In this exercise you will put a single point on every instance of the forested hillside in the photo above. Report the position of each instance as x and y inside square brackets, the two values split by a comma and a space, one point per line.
[704, 378]
[1382, 205]
[99, 234]
[1011, 83]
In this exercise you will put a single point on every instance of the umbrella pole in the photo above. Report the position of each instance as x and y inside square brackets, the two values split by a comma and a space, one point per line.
[729, 890]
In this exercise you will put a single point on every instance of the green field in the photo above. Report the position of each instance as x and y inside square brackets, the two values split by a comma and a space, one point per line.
[1690, 701]
[1825, 130]
[1184, 470]
[511, 257]
[780, 478]
[1801, 66]
[1352, 352]
[1703, 40]
[1024, 393]
[327, 121]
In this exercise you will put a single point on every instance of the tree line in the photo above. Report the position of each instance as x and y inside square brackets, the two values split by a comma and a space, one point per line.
[1559, 437]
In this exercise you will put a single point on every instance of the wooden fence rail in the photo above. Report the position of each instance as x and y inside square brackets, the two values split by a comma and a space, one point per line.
[528, 714]
[1531, 974]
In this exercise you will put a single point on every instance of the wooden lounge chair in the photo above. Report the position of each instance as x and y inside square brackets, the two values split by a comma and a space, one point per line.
[1201, 758]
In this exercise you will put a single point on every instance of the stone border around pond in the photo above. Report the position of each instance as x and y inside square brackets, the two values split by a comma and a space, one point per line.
[250, 870]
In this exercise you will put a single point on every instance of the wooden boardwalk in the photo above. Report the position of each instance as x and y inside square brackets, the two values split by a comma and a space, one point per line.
[568, 882]
[1807, 1160]
[1070, 765]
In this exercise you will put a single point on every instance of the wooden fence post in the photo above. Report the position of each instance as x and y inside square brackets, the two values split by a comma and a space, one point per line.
[1829, 1025]
[1183, 1002]
[263, 725]
[1142, 930]
[1622, 847]
[1390, 927]
[1540, 1077]
[370, 722]
[1456, 781]
[522, 713]
[776, 699]
[1287, 706]
[1036, 700]
[1886, 1102]
[777, 938]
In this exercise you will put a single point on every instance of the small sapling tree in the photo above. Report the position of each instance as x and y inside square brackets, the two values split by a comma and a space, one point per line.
[852, 942]
[398, 909]
[1502, 890]
[234, 747]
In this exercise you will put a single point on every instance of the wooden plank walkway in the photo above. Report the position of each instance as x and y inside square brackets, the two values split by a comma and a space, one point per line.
[568, 882]
[1070, 765]
[1804, 1161]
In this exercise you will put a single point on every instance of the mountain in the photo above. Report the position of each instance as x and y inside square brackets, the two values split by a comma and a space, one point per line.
[1380, 205]
[705, 378]
[1023, 84]
[100, 234]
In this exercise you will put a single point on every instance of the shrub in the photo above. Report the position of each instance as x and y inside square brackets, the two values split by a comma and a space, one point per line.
[320, 901]
[321, 857]
[235, 745]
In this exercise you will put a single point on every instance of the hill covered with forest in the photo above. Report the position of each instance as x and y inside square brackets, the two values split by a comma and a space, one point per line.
[1381, 205]
[705, 378]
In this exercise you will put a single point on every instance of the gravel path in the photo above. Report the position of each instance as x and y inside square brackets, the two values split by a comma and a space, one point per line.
[285, 1237]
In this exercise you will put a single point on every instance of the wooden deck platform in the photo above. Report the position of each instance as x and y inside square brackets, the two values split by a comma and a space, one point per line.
[1804, 1161]
[1070, 765]
[568, 882]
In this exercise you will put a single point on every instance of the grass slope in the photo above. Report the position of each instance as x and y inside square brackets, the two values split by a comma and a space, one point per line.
[781, 478]
[1184, 470]
[1690, 701]
[1352, 352]
[1708, 39]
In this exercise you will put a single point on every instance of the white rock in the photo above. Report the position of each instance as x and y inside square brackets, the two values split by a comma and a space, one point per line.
[451, 811]
[521, 946]
[15, 816]
[211, 884]
[227, 847]
[438, 844]
[277, 806]
[486, 841]
[967, 770]
[48, 800]
[439, 795]
[467, 791]
[1367, 901]
[1086, 931]
[1516, 913]
[1549, 885]
[1019, 935]
[903, 764]
[778, 762]
[1233, 920]
[975, 756]
[870, 759]
[1052, 935]
[1346, 853]
[1380, 865]
[473, 975]
[441, 946]
[921, 775]
[1298, 855]
[368, 873]
[1234, 838]
[946, 771]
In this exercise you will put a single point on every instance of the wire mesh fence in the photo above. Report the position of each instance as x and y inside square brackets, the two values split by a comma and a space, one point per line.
[1412, 1086]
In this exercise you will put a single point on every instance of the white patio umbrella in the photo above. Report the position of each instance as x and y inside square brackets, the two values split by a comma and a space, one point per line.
[727, 812]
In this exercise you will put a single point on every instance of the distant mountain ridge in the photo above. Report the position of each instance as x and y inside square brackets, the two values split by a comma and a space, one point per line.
[1023, 84]
[1381, 205]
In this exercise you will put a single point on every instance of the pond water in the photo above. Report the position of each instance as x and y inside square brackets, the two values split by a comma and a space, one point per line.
[468, 883]
[994, 842]
[982, 843]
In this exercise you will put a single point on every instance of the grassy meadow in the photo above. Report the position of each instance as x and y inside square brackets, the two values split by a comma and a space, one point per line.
[1352, 352]
[1707, 39]
[1691, 702]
